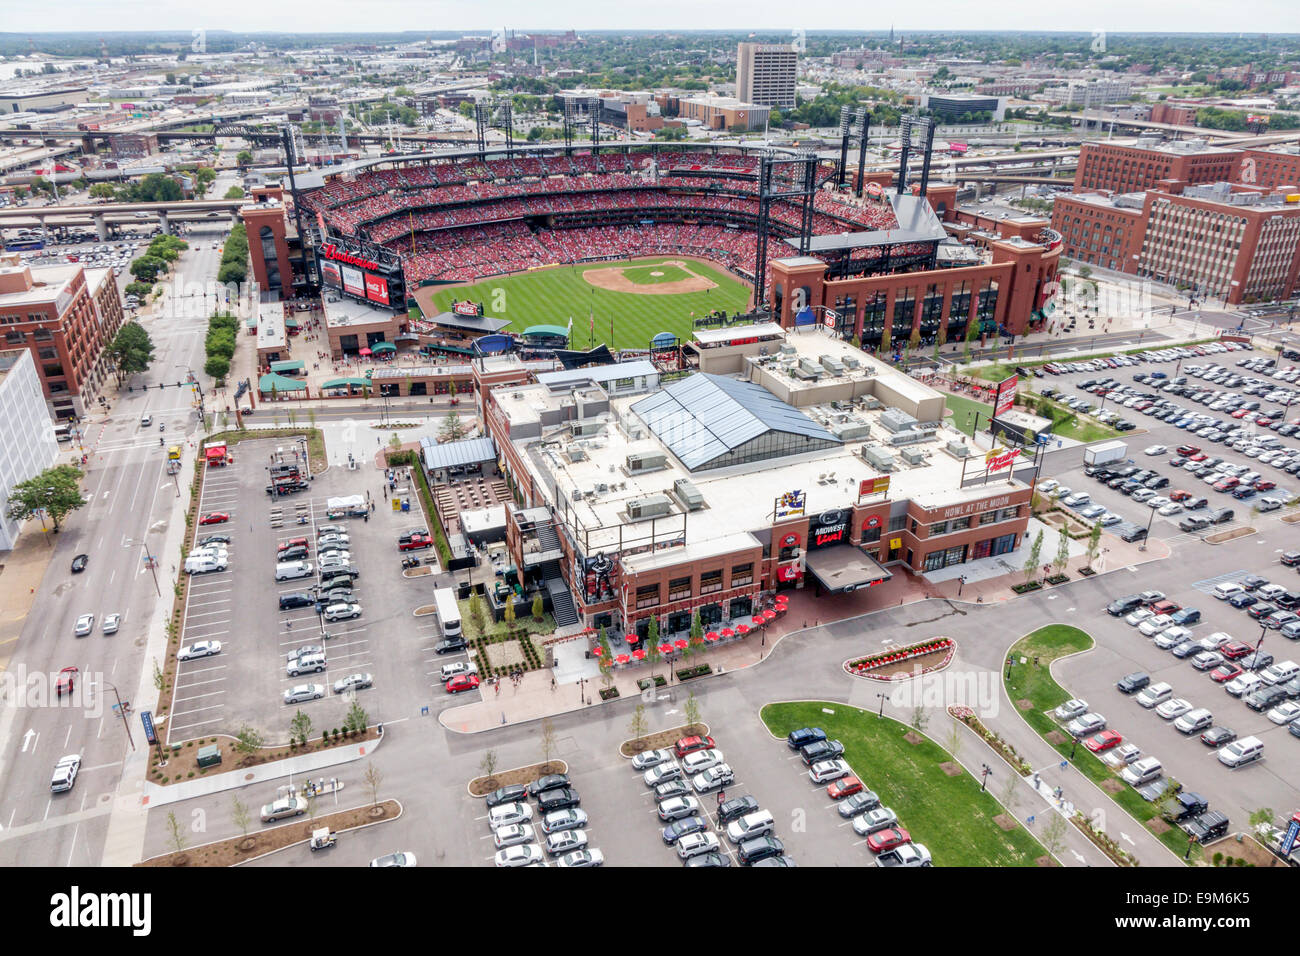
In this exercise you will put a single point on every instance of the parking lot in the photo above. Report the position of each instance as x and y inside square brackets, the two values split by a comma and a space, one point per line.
[1215, 430]
[245, 683]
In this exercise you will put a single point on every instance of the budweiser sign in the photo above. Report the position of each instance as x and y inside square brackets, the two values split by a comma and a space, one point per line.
[998, 459]
[331, 251]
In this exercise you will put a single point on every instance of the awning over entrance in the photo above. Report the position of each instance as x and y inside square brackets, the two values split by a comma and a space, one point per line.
[842, 569]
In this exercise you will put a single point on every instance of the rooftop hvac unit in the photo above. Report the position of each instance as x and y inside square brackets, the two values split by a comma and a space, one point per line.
[852, 362]
[651, 506]
[688, 494]
[809, 366]
[913, 456]
[870, 402]
[646, 461]
[832, 364]
[879, 458]
[518, 396]
[957, 449]
[788, 350]
[897, 420]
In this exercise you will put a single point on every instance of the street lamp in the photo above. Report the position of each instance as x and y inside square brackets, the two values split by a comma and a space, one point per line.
[121, 711]
[1151, 518]
[882, 704]
[985, 772]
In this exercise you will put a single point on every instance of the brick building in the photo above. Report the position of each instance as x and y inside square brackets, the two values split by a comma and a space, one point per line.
[766, 74]
[65, 315]
[723, 112]
[1150, 162]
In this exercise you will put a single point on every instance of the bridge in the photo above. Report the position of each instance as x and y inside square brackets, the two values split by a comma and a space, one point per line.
[104, 214]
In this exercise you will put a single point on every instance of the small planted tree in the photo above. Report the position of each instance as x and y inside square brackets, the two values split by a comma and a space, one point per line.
[175, 833]
[488, 767]
[692, 710]
[300, 727]
[1094, 544]
[1033, 559]
[240, 815]
[1062, 552]
[919, 719]
[508, 614]
[1053, 834]
[547, 743]
[476, 613]
[652, 641]
[373, 779]
[539, 607]
[357, 719]
[606, 662]
[637, 726]
[248, 740]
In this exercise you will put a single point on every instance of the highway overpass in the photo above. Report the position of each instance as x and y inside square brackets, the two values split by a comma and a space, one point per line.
[103, 214]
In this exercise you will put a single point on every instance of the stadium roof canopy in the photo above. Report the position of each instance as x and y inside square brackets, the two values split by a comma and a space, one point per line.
[281, 383]
[289, 365]
[468, 451]
[916, 223]
[708, 421]
[470, 323]
[556, 330]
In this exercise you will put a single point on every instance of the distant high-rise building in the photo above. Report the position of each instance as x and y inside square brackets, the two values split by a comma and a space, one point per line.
[765, 74]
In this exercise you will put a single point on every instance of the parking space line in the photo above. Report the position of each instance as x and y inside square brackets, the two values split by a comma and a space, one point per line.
[211, 693]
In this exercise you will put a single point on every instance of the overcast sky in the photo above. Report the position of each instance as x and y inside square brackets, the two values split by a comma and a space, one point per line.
[1114, 16]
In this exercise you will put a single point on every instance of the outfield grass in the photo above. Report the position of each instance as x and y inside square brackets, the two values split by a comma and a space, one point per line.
[554, 296]
[948, 814]
[1035, 684]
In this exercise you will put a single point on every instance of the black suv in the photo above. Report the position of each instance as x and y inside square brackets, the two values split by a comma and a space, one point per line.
[296, 599]
[1187, 805]
[1265, 698]
[1121, 606]
[1208, 827]
[560, 798]
[760, 848]
[1132, 683]
[821, 750]
[736, 808]
[448, 644]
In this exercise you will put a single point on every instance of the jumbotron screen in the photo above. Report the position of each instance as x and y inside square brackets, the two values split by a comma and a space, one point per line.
[357, 275]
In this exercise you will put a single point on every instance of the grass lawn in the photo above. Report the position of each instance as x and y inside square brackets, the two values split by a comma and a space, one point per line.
[1036, 685]
[623, 319]
[964, 411]
[948, 814]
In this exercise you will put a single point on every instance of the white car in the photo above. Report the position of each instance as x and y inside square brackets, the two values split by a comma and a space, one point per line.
[1048, 486]
[1143, 494]
[1159, 501]
[456, 669]
[284, 807]
[401, 858]
[507, 814]
[651, 758]
[824, 771]
[1171, 509]
[1226, 590]
[85, 624]
[111, 623]
[909, 854]
[1108, 519]
[198, 649]
[1155, 624]
[566, 841]
[1212, 642]
[1138, 616]
[584, 858]
[1194, 720]
[669, 770]
[335, 556]
[1077, 500]
[1154, 450]
[342, 612]
[1174, 707]
[1284, 712]
[1243, 684]
[693, 844]
[333, 540]
[513, 834]
[65, 773]
[701, 761]
[527, 854]
[302, 692]
[1071, 709]
[1085, 724]
[1171, 637]
[878, 818]
[1061, 491]
[676, 808]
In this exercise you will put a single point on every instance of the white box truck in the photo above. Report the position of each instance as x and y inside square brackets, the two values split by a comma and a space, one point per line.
[1104, 453]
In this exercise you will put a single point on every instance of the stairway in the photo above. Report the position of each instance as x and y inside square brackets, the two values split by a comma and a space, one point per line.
[562, 607]
[547, 538]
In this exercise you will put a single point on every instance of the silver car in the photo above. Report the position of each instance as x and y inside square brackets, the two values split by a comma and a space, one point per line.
[651, 758]
[353, 682]
[878, 819]
[571, 818]
[676, 808]
[342, 612]
[85, 624]
[303, 692]
[111, 623]
[1085, 724]
[566, 841]
[1071, 709]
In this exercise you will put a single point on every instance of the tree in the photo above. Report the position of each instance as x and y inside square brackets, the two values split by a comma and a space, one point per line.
[248, 740]
[1052, 836]
[243, 157]
[539, 607]
[102, 191]
[217, 366]
[239, 814]
[1009, 795]
[953, 742]
[1262, 820]
[147, 268]
[637, 726]
[373, 779]
[919, 719]
[175, 833]
[235, 192]
[394, 442]
[300, 727]
[972, 333]
[357, 719]
[508, 613]
[452, 428]
[547, 741]
[55, 492]
[1032, 559]
[652, 641]
[488, 767]
[692, 711]
[1094, 544]
[1062, 552]
[476, 613]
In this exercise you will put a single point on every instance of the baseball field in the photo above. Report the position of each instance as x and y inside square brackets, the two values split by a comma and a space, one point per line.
[631, 301]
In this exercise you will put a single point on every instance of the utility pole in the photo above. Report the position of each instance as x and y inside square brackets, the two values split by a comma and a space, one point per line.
[152, 564]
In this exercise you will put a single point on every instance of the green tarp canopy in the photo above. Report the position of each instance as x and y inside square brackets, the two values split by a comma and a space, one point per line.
[281, 384]
[291, 365]
[345, 382]
[557, 330]
[383, 347]
[290, 323]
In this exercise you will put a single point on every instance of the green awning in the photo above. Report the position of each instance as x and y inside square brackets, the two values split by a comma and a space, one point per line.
[291, 365]
[345, 382]
[281, 383]
[557, 330]
[383, 347]
[290, 323]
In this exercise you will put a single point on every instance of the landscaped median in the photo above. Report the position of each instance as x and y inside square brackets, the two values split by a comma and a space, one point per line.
[937, 802]
[1036, 693]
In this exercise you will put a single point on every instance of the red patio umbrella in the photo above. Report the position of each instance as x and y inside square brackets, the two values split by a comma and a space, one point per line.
[623, 658]
[639, 653]
[728, 632]
[666, 648]
[680, 644]
[711, 636]
[742, 628]
[598, 650]
[364, 352]
[768, 616]
[782, 599]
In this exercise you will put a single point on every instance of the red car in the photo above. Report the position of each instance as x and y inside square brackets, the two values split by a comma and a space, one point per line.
[689, 745]
[1188, 449]
[1226, 672]
[887, 839]
[1265, 485]
[66, 681]
[1103, 741]
[1179, 495]
[1241, 413]
[462, 682]
[1199, 456]
[1235, 650]
[844, 787]
[214, 517]
[1165, 607]
[415, 542]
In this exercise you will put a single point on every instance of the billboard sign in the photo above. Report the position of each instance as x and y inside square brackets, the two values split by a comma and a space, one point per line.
[376, 288]
[1000, 458]
[466, 308]
[829, 527]
[790, 503]
[146, 719]
[329, 273]
[873, 486]
[353, 280]
[1006, 396]
[1292, 831]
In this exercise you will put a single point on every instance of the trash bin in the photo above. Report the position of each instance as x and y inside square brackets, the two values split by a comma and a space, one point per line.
[406, 505]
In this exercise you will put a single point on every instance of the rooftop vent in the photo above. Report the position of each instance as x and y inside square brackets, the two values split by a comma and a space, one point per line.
[651, 506]
[688, 494]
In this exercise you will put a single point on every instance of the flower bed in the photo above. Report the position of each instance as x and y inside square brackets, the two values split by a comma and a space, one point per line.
[901, 663]
[1004, 749]
[1026, 588]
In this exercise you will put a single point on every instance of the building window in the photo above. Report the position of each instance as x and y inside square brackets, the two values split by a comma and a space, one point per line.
[711, 581]
[14, 338]
[647, 596]
[1009, 514]
[49, 353]
[988, 517]
[898, 523]
[870, 534]
[939, 527]
[679, 589]
[742, 574]
[42, 335]
[959, 524]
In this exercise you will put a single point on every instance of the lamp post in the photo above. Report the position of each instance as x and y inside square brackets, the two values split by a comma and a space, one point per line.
[152, 564]
[121, 711]
[882, 697]
[1151, 518]
[985, 772]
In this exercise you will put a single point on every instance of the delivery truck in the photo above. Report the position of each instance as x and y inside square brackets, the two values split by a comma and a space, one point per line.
[1104, 453]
